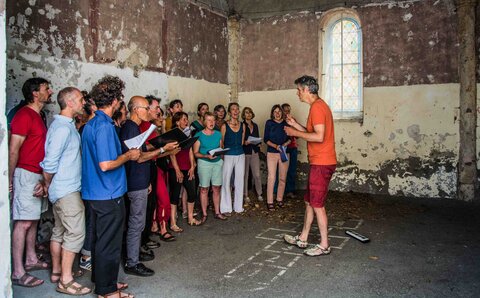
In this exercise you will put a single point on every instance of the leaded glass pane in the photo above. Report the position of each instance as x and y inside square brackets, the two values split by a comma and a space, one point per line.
[343, 70]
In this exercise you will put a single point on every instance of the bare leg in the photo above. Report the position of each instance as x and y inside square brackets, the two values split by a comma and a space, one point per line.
[191, 219]
[163, 227]
[307, 222]
[67, 262]
[18, 245]
[56, 250]
[216, 198]
[322, 221]
[204, 199]
[173, 215]
[31, 239]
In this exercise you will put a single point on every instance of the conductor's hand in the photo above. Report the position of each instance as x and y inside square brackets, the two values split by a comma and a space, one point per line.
[290, 120]
[290, 131]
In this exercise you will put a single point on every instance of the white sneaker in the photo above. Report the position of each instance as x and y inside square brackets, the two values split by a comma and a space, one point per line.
[260, 198]
[317, 250]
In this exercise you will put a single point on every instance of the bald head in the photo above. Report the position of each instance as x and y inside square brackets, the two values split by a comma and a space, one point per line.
[135, 102]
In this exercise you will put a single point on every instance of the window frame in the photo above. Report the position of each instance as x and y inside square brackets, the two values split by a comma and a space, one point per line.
[327, 22]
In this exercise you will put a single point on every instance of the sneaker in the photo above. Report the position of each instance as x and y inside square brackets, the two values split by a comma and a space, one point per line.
[246, 200]
[260, 198]
[145, 257]
[139, 270]
[317, 250]
[151, 245]
[86, 264]
[295, 240]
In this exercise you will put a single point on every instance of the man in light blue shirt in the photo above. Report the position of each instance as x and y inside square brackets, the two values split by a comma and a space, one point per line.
[62, 173]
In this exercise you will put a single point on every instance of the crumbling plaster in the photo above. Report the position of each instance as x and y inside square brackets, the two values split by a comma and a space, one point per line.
[146, 43]
[407, 141]
[405, 146]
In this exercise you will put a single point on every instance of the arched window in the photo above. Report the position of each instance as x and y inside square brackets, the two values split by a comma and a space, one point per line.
[342, 65]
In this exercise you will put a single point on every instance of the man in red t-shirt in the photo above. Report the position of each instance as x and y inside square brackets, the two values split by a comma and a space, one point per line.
[320, 138]
[26, 151]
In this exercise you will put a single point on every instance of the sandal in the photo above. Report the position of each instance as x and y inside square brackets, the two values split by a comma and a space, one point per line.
[27, 280]
[122, 294]
[295, 240]
[57, 276]
[280, 204]
[122, 286]
[39, 265]
[317, 250]
[270, 207]
[176, 229]
[78, 273]
[204, 219]
[195, 222]
[78, 290]
[164, 237]
[220, 216]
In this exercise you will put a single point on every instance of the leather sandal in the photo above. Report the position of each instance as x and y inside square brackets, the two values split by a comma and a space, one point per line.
[220, 216]
[195, 222]
[176, 229]
[77, 290]
[27, 280]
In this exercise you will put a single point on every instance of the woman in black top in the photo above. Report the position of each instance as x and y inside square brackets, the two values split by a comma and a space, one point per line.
[251, 149]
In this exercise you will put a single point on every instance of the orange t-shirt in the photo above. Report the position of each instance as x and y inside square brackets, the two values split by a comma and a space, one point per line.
[321, 153]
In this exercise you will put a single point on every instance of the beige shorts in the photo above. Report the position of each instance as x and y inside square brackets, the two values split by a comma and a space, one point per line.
[69, 215]
[25, 206]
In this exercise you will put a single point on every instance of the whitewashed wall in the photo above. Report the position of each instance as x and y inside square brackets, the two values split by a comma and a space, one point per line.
[5, 283]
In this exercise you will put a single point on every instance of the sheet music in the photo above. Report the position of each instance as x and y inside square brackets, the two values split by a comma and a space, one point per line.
[137, 142]
[254, 140]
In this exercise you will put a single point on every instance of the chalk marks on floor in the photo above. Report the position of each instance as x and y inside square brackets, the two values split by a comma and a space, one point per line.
[267, 265]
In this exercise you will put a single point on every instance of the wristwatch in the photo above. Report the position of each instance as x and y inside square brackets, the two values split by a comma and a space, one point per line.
[162, 150]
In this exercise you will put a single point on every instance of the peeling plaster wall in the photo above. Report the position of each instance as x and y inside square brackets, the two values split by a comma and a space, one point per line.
[5, 272]
[143, 42]
[62, 72]
[266, 42]
[407, 142]
[406, 146]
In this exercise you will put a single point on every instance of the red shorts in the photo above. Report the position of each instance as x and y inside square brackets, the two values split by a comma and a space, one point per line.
[317, 187]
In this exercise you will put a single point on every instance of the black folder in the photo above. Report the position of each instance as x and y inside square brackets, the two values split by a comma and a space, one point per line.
[174, 135]
[188, 142]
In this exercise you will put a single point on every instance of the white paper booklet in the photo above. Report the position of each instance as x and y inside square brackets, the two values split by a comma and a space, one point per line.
[137, 142]
[218, 151]
[254, 140]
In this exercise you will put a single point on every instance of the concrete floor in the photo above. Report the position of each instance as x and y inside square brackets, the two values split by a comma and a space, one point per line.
[419, 247]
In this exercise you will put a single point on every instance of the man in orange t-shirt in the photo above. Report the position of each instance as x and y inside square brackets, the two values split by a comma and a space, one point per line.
[320, 138]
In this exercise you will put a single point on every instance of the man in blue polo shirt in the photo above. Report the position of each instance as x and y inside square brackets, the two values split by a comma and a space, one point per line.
[104, 183]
